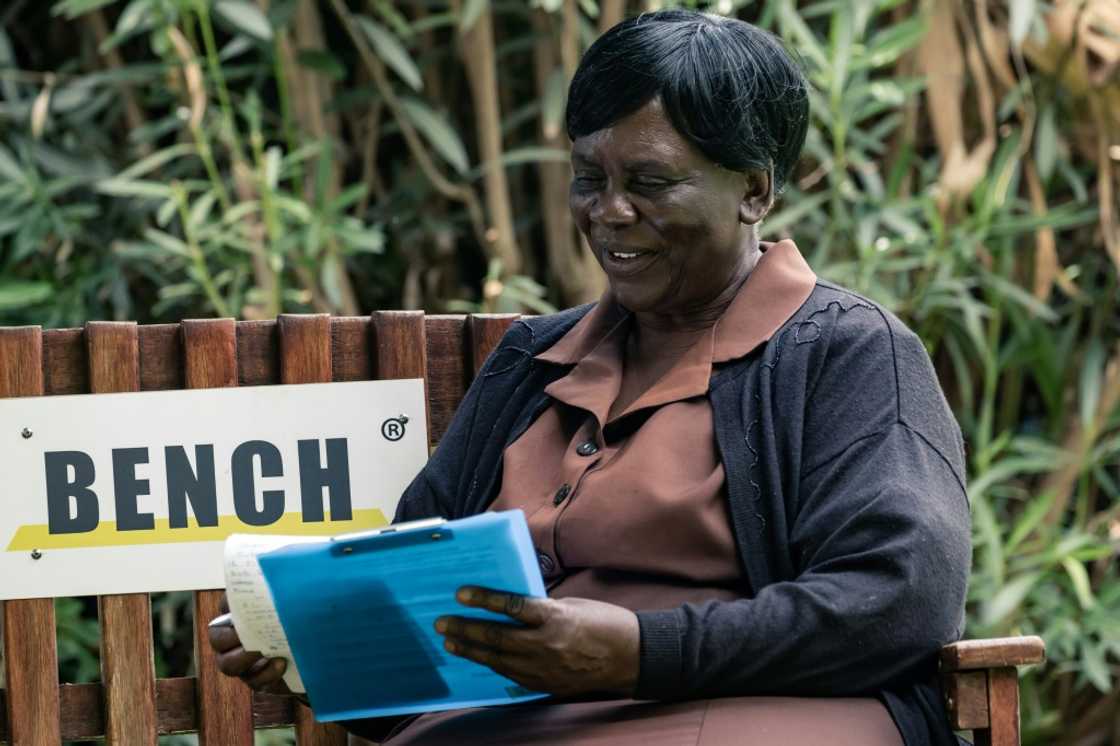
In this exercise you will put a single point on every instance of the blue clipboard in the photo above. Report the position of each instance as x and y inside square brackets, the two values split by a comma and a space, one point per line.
[359, 611]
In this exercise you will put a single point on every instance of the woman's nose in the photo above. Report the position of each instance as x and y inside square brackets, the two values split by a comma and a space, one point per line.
[613, 208]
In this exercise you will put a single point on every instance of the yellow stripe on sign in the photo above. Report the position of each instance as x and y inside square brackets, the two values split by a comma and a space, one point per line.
[107, 535]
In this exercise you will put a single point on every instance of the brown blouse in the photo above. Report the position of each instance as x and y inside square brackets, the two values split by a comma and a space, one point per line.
[624, 492]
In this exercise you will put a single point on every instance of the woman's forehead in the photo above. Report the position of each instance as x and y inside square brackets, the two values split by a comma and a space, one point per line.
[644, 135]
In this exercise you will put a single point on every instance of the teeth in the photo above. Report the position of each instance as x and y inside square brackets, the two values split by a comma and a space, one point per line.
[620, 255]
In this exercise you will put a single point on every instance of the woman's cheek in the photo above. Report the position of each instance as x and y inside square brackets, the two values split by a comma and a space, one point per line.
[579, 205]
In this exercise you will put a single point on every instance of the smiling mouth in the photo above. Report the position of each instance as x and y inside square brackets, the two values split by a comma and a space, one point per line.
[626, 256]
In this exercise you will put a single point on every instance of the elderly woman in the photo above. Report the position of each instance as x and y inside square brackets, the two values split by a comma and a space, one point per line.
[743, 483]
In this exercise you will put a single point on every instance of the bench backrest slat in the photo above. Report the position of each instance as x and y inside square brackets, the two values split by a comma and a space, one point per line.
[30, 653]
[447, 377]
[129, 705]
[225, 715]
[486, 331]
[305, 357]
[127, 657]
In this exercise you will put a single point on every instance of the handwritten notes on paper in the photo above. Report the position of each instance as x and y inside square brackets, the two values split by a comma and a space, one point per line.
[250, 601]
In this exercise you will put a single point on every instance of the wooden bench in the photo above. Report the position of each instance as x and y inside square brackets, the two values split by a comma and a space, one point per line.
[130, 705]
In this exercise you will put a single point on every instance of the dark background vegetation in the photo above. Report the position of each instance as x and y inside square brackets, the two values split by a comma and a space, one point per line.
[168, 159]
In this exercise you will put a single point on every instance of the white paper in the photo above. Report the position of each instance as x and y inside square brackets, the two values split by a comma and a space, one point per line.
[250, 601]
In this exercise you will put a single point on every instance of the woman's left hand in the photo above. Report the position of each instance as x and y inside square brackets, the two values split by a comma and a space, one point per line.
[566, 647]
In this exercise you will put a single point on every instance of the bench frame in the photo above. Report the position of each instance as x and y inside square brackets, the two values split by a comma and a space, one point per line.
[130, 705]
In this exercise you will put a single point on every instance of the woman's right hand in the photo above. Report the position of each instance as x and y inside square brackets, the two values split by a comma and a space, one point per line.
[260, 673]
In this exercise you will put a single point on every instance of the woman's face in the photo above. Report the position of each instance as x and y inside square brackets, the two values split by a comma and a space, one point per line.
[670, 228]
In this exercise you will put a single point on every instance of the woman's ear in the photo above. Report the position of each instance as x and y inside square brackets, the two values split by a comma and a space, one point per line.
[758, 196]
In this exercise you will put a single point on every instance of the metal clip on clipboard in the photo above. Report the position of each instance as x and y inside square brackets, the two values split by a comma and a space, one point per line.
[398, 535]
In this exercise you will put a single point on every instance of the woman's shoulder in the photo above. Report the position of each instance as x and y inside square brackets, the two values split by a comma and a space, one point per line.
[835, 320]
[537, 333]
[834, 308]
[856, 352]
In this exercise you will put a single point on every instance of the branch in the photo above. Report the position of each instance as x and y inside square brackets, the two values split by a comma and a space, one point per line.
[133, 114]
[458, 192]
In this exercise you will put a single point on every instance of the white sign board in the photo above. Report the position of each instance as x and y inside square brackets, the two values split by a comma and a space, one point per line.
[119, 493]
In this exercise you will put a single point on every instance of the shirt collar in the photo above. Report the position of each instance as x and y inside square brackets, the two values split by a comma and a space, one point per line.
[775, 289]
[780, 283]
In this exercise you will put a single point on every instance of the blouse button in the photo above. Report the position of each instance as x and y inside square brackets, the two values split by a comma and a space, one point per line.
[562, 494]
[587, 449]
[546, 563]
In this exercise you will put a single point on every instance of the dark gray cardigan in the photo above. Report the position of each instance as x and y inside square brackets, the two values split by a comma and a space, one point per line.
[845, 479]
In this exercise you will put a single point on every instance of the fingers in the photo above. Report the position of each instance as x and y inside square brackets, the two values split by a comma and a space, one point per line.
[531, 611]
[494, 635]
[511, 666]
[265, 673]
[223, 637]
[260, 673]
[238, 661]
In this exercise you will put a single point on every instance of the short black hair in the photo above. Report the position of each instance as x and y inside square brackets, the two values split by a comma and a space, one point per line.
[730, 88]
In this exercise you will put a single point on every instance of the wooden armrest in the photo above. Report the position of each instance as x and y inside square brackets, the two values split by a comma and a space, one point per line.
[1003, 652]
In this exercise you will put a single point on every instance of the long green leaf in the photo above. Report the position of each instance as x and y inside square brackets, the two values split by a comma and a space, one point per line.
[245, 17]
[1008, 598]
[520, 156]
[16, 294]
[71, 9]
[1035, 511]
[1095, 668]
[8, 60]
[155, 160]
[984, 520]
[895, 40]
[1080, 579]
[132, 188]
[167, 242]
[9, 167]
[799, 36]
[391, 52]
[322, 61]
[437, 131]
[1046, 143]
[1089, 389]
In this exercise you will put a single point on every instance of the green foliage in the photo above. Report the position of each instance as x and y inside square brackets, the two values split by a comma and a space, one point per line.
[78, 641]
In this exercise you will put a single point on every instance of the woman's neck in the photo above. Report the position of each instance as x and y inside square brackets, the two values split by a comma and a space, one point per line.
[655, 332]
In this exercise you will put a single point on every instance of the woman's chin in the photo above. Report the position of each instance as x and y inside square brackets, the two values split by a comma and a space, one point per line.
[634, 300]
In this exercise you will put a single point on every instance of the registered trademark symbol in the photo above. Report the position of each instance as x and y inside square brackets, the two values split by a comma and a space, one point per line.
[393, 428]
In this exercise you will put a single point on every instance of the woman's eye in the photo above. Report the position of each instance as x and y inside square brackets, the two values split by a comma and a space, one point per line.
[587, 183]
[649, 185]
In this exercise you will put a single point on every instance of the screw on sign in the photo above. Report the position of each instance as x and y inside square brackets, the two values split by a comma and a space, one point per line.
[393, 428]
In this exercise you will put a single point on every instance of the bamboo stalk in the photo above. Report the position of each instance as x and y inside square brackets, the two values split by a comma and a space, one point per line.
[611, 12]
[571, 266]
[569, 38]
[476, 47]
